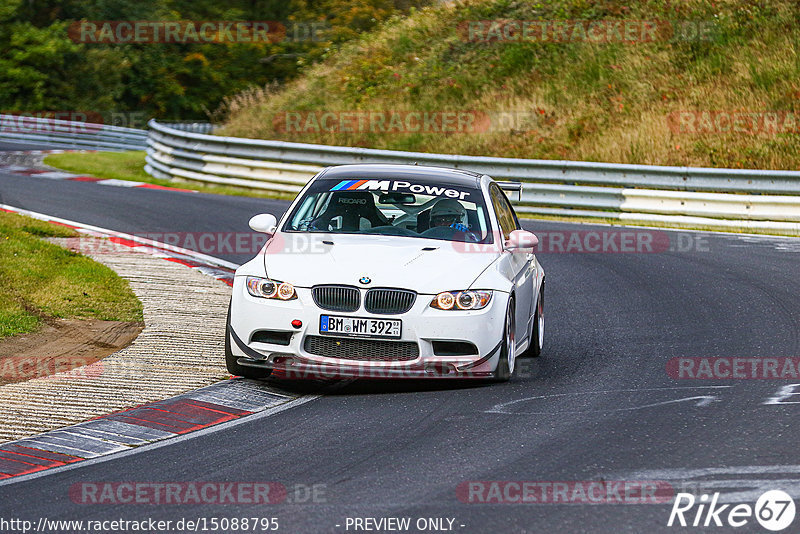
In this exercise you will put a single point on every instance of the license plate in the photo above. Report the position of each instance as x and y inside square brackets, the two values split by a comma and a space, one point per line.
[360, 326]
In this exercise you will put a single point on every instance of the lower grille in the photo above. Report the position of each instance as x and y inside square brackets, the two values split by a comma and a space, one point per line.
[365, 350]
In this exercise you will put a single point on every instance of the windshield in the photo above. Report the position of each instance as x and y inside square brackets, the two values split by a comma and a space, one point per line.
[393, 207]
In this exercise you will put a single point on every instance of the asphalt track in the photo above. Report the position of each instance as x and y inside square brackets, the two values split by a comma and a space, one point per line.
[598, 405]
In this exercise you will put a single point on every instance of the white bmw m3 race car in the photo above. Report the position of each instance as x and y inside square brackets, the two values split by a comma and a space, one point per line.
[389, 271]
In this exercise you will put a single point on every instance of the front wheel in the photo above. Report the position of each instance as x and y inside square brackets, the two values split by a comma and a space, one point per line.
[507, 362]
[231, 360]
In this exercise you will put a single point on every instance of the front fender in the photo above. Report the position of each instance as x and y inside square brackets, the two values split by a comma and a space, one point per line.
[254, 267]
[498, 276]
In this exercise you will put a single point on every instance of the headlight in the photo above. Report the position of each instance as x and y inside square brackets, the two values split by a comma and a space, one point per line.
[461, 300]
[270, 289]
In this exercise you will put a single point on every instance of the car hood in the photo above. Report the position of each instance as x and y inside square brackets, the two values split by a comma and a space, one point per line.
[423, 265]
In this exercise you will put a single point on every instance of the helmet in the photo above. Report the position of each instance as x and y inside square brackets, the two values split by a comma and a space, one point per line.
[448, 211]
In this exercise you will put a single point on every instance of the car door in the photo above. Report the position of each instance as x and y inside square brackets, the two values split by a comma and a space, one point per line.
[520, 261]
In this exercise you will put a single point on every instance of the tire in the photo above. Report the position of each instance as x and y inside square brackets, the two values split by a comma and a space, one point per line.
[534, 350]
[230, 359]
[506, 364]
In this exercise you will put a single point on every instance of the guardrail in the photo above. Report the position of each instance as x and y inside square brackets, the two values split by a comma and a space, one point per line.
[70, 134]
[682, 196]
[195, 127]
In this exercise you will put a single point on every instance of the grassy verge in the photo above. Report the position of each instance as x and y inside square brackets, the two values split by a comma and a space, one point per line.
[40, 280]
[130, 166]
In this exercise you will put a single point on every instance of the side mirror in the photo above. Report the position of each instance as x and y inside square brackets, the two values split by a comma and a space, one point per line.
[521, 239]
[266, 223]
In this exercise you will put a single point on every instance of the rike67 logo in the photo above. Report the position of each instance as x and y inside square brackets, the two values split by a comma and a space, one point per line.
[774, 510]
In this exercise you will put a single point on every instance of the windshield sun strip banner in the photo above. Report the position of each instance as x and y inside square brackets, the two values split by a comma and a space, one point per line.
[401, 186]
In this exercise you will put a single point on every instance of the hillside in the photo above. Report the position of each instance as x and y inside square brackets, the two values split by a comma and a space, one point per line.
[656, 82]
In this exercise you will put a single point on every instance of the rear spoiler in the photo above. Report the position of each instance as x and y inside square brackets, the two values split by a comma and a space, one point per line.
[512, 186]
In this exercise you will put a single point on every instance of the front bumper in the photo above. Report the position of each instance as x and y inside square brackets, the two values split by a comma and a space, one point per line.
[422, 325]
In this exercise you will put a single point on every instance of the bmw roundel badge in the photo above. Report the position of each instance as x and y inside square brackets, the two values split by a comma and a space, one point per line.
[365, 280]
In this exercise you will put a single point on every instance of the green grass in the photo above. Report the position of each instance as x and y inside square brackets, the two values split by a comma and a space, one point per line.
[41, 280]
[130, 166]
[106, 165]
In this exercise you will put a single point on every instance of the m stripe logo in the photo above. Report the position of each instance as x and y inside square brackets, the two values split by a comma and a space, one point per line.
[348, 185]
